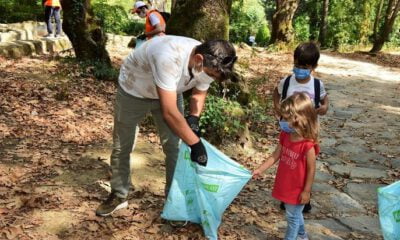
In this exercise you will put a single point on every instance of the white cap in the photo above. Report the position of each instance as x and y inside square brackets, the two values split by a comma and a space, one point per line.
[138, 4]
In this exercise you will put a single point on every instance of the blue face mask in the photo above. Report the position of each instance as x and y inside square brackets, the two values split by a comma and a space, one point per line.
[301, 73]
[285, 127]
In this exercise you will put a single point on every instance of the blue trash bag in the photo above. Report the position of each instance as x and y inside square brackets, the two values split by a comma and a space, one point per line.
[139, 43]
[201, 194]
[389, 210]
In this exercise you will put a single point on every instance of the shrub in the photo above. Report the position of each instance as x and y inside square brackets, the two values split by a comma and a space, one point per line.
[112, 18]
[21, 10]
[133, 27]
[115, 19]
[244, 20]
[221, 119]
[263, 35]
[302, 28]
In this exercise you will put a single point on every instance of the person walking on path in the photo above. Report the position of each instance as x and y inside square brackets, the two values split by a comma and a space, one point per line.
[152, 79]
[296, 152]
[52, 8]
[306, 57]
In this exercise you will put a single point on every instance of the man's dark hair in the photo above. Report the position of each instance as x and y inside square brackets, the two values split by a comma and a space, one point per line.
[218, 54]
[307, 54]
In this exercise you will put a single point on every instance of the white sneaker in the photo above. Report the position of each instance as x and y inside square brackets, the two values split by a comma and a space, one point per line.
[305, 237]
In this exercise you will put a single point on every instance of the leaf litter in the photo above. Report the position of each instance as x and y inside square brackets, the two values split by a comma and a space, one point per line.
[51, 114]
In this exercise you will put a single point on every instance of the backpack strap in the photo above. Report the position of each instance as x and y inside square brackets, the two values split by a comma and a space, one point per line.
[317, 92]
[285, 87]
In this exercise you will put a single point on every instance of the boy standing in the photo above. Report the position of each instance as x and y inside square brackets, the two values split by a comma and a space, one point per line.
[306, 57]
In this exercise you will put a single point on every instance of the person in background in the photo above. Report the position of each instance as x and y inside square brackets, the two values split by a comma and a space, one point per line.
[52, 8]
[155, 23]
[252, 40]
[296, 152]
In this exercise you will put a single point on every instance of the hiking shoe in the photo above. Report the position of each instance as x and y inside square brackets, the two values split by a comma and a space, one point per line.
[307, 208]
[48, 36]
[110, 205]
[177, 224]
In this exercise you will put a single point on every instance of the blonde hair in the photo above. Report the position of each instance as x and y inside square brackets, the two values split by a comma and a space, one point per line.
[299, 111]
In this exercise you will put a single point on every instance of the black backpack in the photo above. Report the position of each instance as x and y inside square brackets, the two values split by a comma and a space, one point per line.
[317, 90]
[165, 15]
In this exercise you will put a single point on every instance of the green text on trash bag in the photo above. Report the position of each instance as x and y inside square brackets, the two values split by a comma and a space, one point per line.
[396, 216]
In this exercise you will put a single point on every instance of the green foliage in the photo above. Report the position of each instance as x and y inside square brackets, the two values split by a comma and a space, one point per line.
[269, 8]
[225, 118]
[102, 71]
[245, 19]
[302, 28]
[350, 22]
[221, 118]
[257, 117]
[21, 10]
[134, 27]
[263, 35]
[342, 23]
[115, 19]
[126, 4]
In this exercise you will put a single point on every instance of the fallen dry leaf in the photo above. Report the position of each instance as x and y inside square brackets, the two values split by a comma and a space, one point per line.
[12, 232]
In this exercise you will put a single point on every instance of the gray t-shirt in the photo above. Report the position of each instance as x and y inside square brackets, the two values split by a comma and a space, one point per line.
[160, 62]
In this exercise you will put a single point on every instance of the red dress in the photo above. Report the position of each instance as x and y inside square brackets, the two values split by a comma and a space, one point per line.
[292, 170]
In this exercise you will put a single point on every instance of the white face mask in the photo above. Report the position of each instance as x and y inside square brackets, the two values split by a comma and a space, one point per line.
[201, 76]
[142, 14]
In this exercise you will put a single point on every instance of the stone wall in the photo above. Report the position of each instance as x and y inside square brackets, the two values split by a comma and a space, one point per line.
[27, 39]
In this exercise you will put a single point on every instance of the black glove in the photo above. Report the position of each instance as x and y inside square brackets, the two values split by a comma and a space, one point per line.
[142, 37]
[199, 153]
[193, 123]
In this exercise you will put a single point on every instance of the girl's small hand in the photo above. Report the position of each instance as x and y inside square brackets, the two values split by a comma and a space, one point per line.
[256, 174]
[304, 197]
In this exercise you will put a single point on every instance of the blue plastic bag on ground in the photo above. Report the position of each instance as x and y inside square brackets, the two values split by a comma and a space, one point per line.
[389, 210]
[201, 194]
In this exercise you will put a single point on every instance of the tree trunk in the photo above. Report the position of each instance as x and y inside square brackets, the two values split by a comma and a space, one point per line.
[377, 20]
[173, 4]
[200, 19]
[314, 19]
[160, 5]
[391, 14]
[282, 29]
[324, 23]
[84, 31]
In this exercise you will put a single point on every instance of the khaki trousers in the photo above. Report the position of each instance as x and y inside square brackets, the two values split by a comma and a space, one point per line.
[129, 111]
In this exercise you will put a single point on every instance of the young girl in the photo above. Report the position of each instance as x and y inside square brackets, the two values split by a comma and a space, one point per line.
[297, 151]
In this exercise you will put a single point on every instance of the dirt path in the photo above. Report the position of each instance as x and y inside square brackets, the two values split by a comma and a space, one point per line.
[360, 142]
[54, 167]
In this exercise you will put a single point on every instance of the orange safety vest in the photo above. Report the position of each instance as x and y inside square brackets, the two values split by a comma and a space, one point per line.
[52, 3]
[148, 26]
